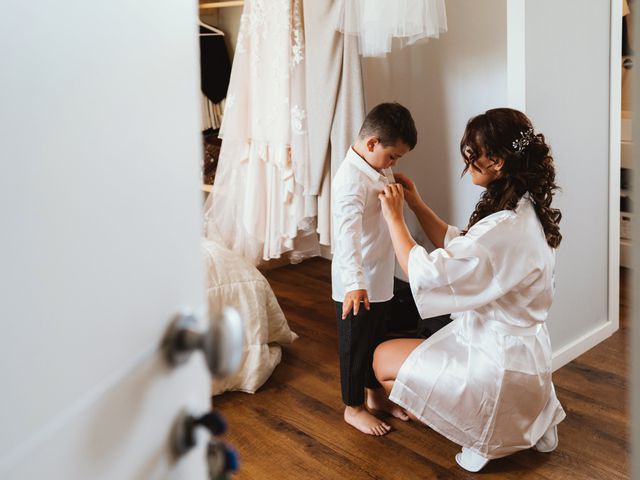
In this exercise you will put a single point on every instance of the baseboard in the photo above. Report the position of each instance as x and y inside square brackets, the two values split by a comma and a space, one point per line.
[325, 252]
[266, 265]
[579, 346]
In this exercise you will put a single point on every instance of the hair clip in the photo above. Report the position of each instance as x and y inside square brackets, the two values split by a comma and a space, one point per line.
[525, 139]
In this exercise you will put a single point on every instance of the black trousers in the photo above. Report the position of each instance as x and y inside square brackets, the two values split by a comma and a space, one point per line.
[358, 337]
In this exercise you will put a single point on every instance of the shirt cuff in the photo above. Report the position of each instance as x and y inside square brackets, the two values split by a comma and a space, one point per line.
[354, 286]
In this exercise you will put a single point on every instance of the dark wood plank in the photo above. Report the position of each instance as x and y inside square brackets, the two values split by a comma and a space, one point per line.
[292, 428]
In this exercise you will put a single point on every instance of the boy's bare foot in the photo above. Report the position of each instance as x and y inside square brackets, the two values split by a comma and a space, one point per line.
[377, 400]
[364, 421]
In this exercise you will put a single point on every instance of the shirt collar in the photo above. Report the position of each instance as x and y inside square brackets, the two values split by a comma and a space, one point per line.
[361, 164]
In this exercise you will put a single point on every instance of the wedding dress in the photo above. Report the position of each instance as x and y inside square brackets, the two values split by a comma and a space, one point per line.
[260, 206]
[377, 22]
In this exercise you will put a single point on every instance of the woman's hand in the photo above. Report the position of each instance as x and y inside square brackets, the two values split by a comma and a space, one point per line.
[410, 191]
[392, 201]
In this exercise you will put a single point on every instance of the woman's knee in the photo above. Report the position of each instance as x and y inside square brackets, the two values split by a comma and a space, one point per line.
[380, 362]
[390, 355]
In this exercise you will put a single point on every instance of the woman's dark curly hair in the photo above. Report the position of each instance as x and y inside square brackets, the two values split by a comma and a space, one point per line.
[526, 169]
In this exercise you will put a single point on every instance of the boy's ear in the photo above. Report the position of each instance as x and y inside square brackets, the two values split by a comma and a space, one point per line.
[371, 143]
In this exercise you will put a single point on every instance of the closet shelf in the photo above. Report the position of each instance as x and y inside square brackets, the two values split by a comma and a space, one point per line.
[229, 3]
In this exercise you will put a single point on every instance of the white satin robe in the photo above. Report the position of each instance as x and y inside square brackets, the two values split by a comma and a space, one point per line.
[484, 380]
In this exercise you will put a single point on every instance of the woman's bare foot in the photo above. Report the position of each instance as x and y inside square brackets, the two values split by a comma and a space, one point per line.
[364, 421]
[377, 400]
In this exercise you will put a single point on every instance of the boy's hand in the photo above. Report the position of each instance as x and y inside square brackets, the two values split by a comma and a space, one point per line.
[410, 191]
[353, 299]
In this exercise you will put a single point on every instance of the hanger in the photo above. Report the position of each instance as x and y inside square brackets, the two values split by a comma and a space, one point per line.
[214, 31]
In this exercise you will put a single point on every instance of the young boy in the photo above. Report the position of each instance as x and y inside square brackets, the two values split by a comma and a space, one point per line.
[364, 260]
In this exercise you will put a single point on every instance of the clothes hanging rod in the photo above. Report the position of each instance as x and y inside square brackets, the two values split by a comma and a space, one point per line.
[230, 3]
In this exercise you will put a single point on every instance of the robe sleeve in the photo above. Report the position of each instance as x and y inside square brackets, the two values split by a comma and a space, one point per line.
[470, 272]
[452, 232]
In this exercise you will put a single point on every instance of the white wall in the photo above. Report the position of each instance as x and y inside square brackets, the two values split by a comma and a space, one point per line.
[444, 82]
[567, 96]
[551, 59]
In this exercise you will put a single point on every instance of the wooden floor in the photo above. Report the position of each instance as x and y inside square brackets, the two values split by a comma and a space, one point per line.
[292, 428]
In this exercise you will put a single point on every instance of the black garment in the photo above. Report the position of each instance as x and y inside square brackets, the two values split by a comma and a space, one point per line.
[626, 44]
[429, 326]
[404, 319]
[215, 66]
[405, 316]
[358, 337]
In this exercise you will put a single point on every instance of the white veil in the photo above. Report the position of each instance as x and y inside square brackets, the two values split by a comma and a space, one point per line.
[377, 22]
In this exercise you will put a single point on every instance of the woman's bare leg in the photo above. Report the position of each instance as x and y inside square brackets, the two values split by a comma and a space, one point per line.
[389, 357]
[387, 360]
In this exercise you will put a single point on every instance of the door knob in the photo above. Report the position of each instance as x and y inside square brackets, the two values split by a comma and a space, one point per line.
[222, 343]
[221, 458]
[184, 432]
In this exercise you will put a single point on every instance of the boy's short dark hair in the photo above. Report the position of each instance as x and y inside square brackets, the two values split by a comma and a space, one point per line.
[390, 122]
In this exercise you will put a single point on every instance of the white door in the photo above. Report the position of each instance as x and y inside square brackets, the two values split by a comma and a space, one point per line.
[99, 240]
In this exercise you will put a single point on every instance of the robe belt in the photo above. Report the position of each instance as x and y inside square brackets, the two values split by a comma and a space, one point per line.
[505, 329]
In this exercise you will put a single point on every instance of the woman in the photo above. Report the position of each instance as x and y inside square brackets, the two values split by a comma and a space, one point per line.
[484, 380]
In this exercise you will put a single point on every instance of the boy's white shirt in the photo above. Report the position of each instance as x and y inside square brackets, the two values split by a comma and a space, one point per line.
[363, 256]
